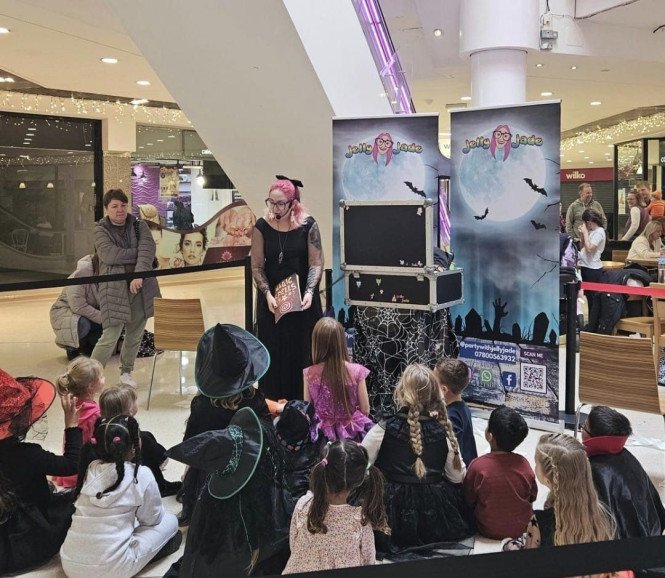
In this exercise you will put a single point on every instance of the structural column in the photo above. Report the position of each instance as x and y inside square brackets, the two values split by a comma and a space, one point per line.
[496, 35]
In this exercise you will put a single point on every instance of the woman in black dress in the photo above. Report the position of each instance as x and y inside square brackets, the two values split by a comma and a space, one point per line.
[286, 241]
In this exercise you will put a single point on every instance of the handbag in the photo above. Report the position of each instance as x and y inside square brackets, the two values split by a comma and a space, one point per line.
[155, 261]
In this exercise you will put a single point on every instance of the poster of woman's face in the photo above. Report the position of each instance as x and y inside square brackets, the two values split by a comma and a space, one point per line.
[225, 237]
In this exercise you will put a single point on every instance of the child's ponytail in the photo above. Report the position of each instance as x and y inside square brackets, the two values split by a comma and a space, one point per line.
[373, 507]
[318, 485]
[450, 434]
[82, 373]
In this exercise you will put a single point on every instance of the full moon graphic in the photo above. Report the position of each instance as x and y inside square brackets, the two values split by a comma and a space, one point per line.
[499, 185]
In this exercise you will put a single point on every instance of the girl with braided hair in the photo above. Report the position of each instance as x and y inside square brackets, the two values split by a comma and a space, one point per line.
[120, 524]
[573, 513]
[418, 454]
[327, 532]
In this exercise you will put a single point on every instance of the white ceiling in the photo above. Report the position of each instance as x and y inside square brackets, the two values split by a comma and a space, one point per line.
[58, 44]
[438, 76]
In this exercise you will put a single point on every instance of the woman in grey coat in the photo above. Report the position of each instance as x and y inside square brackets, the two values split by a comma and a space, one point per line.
[124, 245]
[75, 316]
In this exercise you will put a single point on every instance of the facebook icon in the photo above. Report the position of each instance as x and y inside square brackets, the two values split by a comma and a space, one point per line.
[509, 379]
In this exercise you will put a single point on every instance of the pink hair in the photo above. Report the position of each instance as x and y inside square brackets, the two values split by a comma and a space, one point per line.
[506, 147]
[292, 193]
[375, 148]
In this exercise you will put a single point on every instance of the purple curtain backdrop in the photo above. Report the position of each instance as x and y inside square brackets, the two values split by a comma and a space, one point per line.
[145, 189]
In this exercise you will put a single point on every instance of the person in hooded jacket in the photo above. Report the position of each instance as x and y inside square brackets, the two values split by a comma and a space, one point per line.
[75, 316]
[120, 524]
[620, 480]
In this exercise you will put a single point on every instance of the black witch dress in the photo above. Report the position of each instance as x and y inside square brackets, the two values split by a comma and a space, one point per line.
[289, 340]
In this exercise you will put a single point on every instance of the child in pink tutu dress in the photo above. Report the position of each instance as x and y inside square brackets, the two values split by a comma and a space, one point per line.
[335, 386]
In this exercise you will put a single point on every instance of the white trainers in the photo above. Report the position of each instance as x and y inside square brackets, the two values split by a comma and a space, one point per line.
[127, 379]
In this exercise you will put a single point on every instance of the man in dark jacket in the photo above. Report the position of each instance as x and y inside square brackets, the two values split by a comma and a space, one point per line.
[621, 482]
[124, 245]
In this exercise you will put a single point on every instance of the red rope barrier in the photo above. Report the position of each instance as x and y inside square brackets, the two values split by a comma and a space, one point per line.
[608, 288]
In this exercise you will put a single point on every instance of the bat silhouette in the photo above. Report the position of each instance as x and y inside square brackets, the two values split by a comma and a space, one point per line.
[535, 187]
[537, 225]
[415, 189]
[481, 217]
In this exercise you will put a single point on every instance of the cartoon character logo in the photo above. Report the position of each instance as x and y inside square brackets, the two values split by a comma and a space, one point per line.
[501, 136]
[383, 145]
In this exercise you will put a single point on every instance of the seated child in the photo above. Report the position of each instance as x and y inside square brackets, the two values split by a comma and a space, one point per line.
[122, 400]
[240, 523]
[298, 431]
[453, 375]
[34, 520]
[84, 379]
[335, 386]
[656, 207]
[120, 524]
[501, 486]
[620, 480]
[327, 532]
[417, 452]
[229, 362]
[573, 513]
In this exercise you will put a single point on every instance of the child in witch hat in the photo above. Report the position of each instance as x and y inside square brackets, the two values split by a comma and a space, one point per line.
[240, 524]
[33, 520]
[229, 362]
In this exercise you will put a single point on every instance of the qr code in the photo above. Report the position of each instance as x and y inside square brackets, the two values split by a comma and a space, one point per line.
[533, 378]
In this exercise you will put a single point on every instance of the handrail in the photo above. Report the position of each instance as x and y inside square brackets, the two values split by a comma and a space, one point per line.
[30, 227]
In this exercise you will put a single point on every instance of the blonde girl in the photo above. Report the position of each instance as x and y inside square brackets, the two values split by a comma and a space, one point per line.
[84, 380]
[418, 454]
[327, 532]
[336, 387]
[573, 513]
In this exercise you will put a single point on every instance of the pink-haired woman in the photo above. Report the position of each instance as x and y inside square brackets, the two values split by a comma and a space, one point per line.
[383, 145]
[286, 240]
[501, 136]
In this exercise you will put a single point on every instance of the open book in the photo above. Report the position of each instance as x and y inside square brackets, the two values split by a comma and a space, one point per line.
[287, 295]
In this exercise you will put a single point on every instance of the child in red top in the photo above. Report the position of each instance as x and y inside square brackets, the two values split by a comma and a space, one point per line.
[656, 207]
[84, 379]
[501, 486]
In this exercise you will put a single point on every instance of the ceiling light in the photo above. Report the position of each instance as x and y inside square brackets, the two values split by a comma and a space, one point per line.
[610, 146]
[546, 93]
[4, 30]
[569, 161]
[539, 65]
[200, 180]
[143, 82]
[585, 158]
[595, 103]
[138, 101]
[141, 147]
[21, 185]
[160, 140]
[171, 136]
[50, 185]
[573, 67]
[149, 144]
[438, 32]
[465, 98]
[581, 152]
[6, 79]
[31, 128]
[590, 162]
[109, 60]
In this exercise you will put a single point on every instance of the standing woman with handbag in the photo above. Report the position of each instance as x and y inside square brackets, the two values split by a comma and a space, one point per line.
[124, 245]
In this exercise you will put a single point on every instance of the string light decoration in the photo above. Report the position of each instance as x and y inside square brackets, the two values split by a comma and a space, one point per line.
[119, 111]
[638, 127]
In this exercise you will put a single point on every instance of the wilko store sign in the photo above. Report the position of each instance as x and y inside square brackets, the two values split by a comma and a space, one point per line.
[589, 175]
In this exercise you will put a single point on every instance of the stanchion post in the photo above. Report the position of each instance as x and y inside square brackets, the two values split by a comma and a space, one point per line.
[249, 296]
[571, 353]
[329, 282]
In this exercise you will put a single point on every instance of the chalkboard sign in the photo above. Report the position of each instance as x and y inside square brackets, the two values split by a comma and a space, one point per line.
[388, 234]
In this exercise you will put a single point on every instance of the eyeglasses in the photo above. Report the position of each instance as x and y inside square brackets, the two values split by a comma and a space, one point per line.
[279, 204]
[585, 430]
[504, 134]
[384, 141]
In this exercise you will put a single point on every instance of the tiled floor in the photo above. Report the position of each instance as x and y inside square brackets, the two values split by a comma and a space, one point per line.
[27, 348]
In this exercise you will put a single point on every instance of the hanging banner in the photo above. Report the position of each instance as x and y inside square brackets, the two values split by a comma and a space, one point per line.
[505, 235]
[169, 182]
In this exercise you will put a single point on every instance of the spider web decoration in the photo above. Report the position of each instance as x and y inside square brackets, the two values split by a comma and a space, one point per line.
[38, 430]
[387, 340]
